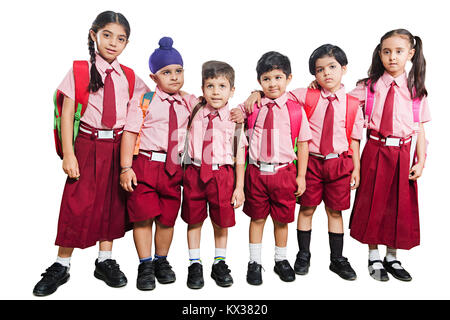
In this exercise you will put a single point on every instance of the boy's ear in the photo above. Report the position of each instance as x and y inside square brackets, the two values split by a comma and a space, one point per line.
[154, 78]
[232, 92]
[288, 79]
[344, 69]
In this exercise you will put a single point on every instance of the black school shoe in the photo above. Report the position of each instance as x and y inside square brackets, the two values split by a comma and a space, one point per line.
[342, 268]
[301, 265]
[110, 273]
[221, 274]
[195, 276]
[146, 276]
[284, 270]
[399, 274]
[52, 278]
[163, 271]
[254, 276]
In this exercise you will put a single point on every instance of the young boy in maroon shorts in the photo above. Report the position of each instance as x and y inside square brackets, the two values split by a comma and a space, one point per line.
[153, 178]
[333, 166]
[272, 181]
[209, 178]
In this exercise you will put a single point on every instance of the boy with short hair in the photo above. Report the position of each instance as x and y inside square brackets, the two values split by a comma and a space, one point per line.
[272, 180]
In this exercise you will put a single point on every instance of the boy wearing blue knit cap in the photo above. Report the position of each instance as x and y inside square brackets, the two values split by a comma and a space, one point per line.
[153, 177]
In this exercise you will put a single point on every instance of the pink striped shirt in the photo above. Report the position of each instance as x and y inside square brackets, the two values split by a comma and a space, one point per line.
[155, 126]
[223, 136]
[93, 114]
[283, 150]
[340, 142]
[403, 122]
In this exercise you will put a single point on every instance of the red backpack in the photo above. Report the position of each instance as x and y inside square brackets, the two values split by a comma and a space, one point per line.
[81, 77]
[312, 98]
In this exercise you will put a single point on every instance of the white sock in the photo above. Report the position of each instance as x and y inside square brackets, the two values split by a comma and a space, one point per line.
[220, 254]
[63, 261]
[375, 255]
[255, 252]
[104, 255]
[194, 256]
[391, 255]
[280, 253]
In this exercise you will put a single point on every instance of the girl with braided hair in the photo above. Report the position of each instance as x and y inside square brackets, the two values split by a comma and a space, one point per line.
[93, 204]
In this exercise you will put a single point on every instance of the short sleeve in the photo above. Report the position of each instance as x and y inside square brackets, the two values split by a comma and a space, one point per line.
[358, 126]
[425, 115]
[67, 86]
[299, 94]
[305, 132]
[360, 93]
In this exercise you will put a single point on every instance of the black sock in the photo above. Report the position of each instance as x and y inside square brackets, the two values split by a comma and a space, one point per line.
[336, 244]
[304, 239]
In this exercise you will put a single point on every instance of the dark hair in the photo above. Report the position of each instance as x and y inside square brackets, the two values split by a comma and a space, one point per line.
[416, 76]
[213, 69]
[273, 60]
[101, 21]
[327, 50]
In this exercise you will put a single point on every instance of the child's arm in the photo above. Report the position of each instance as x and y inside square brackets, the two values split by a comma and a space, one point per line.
[255, 97]
[355, 178]
[70, 162]
[302, 164]
[238, 197]
[416, 171]
[127, 175]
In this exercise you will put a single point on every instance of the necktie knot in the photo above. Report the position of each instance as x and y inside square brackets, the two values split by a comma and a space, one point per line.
[270, 105]
[393, 83]
[108, 71]
[331, 98]
[212, 115]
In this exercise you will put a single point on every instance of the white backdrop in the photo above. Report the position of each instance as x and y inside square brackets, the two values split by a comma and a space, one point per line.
[40, 40]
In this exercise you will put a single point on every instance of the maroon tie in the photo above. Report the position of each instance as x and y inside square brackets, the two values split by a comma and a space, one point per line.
[172, 144]
[109, 101]
[267, 128]
[326, 140]
[207, 151]
[388, 112]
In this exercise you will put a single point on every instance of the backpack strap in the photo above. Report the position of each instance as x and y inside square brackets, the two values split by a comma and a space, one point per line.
[350, 117]
[370, 98]
[81, 77]
[236, 139]
[295, 118]
[311, 100]
[131, 77]
[146, 99]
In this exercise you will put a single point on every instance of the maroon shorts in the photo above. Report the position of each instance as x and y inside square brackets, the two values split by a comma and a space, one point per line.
[386, 209]
[217, 193]
[157, 194]
[328, 180]
[93, 207]
[272, 193]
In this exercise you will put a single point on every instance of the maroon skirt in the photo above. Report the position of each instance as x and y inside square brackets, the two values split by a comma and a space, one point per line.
[386, 209]
[93, 207]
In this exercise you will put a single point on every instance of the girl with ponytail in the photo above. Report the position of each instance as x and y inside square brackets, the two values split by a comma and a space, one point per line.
[386, 208]
[93, 204]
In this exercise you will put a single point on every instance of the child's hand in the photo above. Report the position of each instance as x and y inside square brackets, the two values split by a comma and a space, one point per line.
[354, 180]
[128, 180]
[314, 85]
[238, 197]
[416, 171]
[301, 185]
[249, 104]
[70, 166]
[236, 115]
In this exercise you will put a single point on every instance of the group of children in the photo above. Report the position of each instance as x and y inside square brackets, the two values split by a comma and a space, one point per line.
[135, 148]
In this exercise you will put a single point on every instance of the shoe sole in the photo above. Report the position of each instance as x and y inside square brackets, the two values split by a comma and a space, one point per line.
[195, 286]
[285, 280]
[146, 288]
[301, 273]
[222, 284]
[112, 285]
[255, 283]
[348, 279]
[43, 294]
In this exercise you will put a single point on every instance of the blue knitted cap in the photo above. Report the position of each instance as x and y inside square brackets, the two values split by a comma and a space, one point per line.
[165, 55]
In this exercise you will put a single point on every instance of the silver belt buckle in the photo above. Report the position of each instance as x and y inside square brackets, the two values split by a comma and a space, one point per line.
[159, 157]
[215, 167]
[392, 142]
[331, 156]
[105, 134]
[267, 167]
